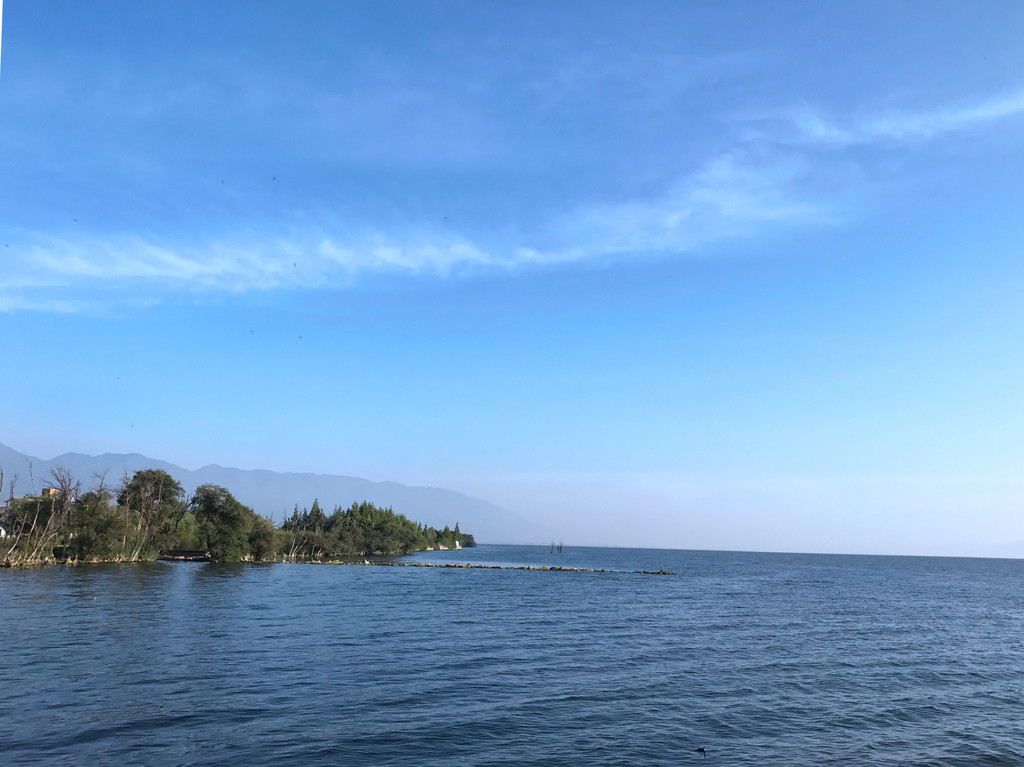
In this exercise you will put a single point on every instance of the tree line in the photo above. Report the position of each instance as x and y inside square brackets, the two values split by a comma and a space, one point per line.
[149, 513]
[361, 529]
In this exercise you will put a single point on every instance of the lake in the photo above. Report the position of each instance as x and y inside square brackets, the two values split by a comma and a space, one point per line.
[764, 658]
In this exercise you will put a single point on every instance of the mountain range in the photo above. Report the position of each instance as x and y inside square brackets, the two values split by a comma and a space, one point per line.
[275, 494]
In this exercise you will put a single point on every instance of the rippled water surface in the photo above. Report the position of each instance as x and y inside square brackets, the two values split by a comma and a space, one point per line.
[764, 658]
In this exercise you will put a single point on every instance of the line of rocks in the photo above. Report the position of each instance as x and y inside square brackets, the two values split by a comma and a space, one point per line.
[468, 565]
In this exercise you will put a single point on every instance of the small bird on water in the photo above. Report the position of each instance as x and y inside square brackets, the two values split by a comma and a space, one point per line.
[703, 751]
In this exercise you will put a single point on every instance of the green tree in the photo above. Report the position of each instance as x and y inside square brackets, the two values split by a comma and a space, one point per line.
[148, 488]
[33, 527]
[316, 518]
[154, 503]
[186, 533]
[97, 530]
[261, 539]
[224, 522]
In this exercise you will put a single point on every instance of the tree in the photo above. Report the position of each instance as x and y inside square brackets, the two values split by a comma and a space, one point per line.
[37, 524]
[261, 539]
[148, 488]
[154, 503]
[317, 518]
[96, 528]
[33, 527]
[67, 488]
[224, 522]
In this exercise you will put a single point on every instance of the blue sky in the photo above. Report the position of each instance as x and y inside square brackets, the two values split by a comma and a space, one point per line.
[730, 275]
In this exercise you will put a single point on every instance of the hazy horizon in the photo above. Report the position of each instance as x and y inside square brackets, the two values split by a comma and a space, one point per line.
[742, 276]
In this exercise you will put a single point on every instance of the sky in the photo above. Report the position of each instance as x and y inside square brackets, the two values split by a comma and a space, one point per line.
[726, 275]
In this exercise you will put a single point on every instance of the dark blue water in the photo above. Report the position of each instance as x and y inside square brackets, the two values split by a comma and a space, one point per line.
[764, 658]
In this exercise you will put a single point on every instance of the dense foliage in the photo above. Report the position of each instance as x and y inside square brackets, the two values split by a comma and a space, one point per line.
[361, 529]
[150, 513]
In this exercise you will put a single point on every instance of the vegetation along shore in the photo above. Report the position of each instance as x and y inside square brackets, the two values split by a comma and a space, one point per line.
[149, 513]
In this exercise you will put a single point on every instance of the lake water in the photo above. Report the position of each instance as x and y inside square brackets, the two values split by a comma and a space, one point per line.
[764, 658]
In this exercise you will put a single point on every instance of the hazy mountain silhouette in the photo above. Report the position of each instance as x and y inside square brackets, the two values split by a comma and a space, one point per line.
[275, 494]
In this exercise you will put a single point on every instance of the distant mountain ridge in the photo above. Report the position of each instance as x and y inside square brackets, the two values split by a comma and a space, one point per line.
[275, 494]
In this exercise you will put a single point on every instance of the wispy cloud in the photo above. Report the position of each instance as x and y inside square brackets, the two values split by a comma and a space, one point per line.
[10, 304]
[906, 125]
[381, 254]
[96, 266]
[135, 259]
[813, 126]
[733, 195]
[766, 173]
